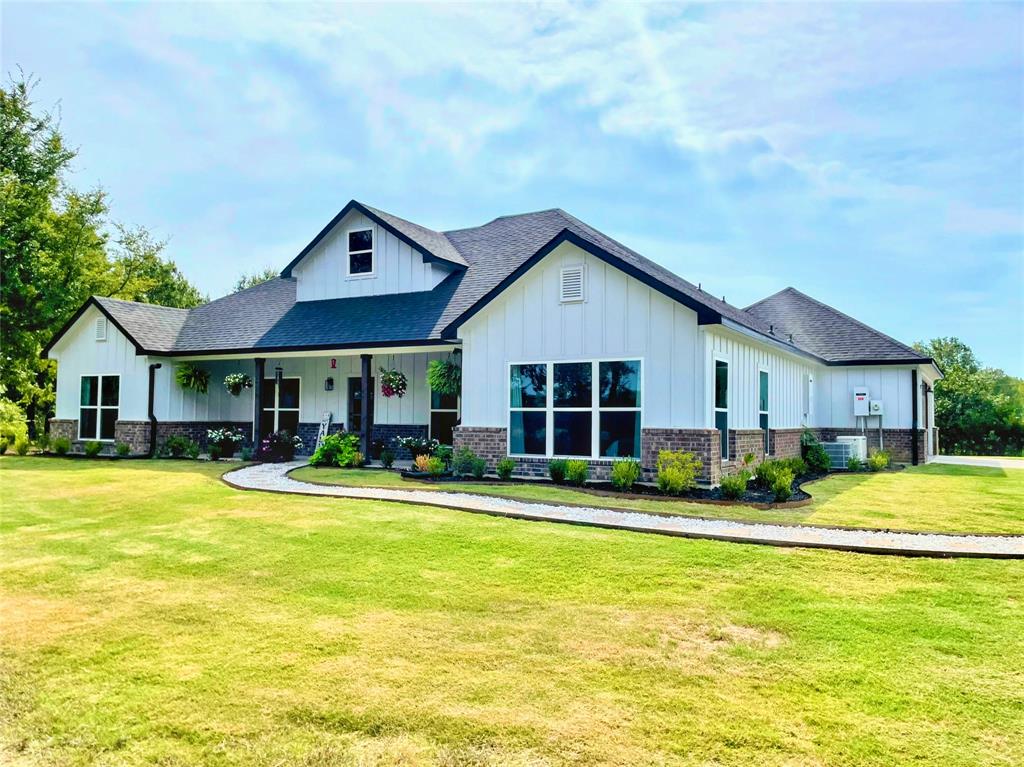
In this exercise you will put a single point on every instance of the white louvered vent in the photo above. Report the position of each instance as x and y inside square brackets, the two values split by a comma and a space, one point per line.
[573, 286]
[101, 328]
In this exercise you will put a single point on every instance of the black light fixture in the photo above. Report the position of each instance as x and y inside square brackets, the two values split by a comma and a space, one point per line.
[278, 375]
[328, 384]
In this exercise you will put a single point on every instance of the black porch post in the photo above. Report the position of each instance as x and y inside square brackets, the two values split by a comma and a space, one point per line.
[257, 401]
[365, 411]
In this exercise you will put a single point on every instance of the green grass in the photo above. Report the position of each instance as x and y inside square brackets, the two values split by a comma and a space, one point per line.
[933, 497]
[153, 615]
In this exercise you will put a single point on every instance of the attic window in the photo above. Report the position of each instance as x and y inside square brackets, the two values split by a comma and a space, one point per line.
[360, 252]
[101, 328]
[572, 284]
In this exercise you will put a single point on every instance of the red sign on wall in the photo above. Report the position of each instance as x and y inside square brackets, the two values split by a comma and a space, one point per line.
[334, 363]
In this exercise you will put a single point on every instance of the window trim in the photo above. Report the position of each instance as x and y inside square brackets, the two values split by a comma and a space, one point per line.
[768, 404]
[431, 409]
[372, 251]
[595, 408]
[715, 410]
[99, 408]
[277, 410]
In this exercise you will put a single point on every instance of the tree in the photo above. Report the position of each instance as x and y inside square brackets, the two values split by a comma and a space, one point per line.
[978, 410]
[256, 278]
[137, 272]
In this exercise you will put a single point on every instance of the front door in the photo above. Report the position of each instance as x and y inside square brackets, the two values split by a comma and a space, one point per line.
[355, 404]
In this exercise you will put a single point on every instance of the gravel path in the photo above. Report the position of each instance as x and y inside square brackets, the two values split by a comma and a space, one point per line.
[273, 477]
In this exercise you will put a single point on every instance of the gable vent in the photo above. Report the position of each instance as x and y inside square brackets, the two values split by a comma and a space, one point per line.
[572, 285]
[101, 328]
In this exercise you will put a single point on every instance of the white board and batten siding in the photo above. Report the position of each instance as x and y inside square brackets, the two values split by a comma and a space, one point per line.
[620, 318]
[79, 353]
[398, 268]
[891, 385]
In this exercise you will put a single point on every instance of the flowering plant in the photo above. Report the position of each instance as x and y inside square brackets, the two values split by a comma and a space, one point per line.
[393, 383]
[418, 445]
[279, 446]
[235, 382]
[225, 439]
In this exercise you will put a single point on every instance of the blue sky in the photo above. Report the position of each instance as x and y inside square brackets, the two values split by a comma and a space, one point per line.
[869, 155]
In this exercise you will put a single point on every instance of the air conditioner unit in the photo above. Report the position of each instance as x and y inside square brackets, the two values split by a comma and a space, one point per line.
[858, 446]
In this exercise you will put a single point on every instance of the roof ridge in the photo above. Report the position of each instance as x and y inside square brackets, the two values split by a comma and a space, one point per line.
[142, 303]
[769, 297]
[446, 232]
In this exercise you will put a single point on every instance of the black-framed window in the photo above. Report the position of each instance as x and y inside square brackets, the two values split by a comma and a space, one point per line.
[722, 404]
[360, 252]
[99, 400]
[762, 405]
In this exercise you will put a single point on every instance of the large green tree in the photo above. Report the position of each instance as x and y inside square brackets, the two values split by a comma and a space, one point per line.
[979, 411]
[256, 278]
[55, 250]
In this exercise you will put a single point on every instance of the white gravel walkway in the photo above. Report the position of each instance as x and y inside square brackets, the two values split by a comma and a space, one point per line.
[273, 477]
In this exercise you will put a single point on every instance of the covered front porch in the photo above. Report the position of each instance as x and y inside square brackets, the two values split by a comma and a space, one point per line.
[298, 392]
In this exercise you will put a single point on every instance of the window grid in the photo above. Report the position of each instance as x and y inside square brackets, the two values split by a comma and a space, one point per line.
[276, 408]
[721, 387]
[98, 408]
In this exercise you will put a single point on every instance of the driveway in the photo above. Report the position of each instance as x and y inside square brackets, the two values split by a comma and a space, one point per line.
[990, 461]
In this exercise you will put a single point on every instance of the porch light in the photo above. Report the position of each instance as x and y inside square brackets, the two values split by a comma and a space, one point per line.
[278, 375]
[329, 384]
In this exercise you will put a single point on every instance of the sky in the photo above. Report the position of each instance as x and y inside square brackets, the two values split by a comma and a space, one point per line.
[871, 156]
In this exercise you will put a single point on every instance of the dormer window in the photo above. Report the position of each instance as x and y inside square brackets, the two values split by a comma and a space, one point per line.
[360, 253]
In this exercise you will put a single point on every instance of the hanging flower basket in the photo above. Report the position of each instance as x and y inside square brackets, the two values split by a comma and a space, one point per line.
[192, 377]
[445, 377]
[393, 383]
[235, 382]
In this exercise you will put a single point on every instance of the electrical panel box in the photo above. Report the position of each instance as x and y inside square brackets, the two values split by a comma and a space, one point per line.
[876, 407]
[860, 400]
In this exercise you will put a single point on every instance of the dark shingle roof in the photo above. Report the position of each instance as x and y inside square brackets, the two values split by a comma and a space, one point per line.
[827, 332]
[484, 258]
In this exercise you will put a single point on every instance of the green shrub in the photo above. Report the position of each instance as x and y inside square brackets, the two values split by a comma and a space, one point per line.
[338, 449]
[177, 445]
[625, 474]
[748, 459]
[478, 468]
[358, 460]
[853, 463]
[123, 449]
[43, 441]
[435, 466]
[735, 485]
[192, 377]
[879, 460]
[21, 446]
[445, 453]
[387, 458]
[61, 445]
[12, 422]
[782, 486]
[556, 470]
[192, 451]
[577, 472]
[677, 471]
[247, 453]
[796, 465]
[817, 459]
[462, 461]
[3, 445]
[767, 471]
[214, 450]
[92, 449]
[505, 467]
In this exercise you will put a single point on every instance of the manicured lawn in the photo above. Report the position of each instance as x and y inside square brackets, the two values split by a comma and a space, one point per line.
[934, 497]
[153, 615]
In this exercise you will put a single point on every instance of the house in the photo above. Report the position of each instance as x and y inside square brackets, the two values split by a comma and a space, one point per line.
[571, 344]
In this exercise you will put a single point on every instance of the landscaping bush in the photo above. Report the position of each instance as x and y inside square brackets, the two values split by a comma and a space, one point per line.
[577, 472]
[748, 459]
[556, 470]
[227, 440]
[178, 445]
[12, 422]
[462, 461]
[192, 451]
[445, 453]
[813, 453]
[214, 450]
[358, 460]
[387, 458]
[796, 465]
[247, 453]
[21, 446]
[782, 486]
[505, 467]
[478, 468]
[625, 474]
[92, 449]
[853, 463]
[61, 445]
[735, 485]
[879, 460]
[338, 449]
[767, 471]
[43, 441]
[123, 449]
[3, 445]
[421, 462]
[435, 466]
[677, 471]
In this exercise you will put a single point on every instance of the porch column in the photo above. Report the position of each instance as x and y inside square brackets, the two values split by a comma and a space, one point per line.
[257, 400]
[365, 411]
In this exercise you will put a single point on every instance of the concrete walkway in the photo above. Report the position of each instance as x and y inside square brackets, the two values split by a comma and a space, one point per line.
[273, 477]
[989, 461]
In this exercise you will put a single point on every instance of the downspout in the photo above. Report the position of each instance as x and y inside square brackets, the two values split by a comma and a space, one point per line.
[152, 415]
[913, 417]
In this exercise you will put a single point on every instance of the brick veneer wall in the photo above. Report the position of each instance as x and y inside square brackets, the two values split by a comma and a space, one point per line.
[135, 434]
[898, 442]
[741, 442]
[488, 442]
[196, 430]
[64, 427]
[386, 433]
[704, 443]
[307, 433]
[784, 443]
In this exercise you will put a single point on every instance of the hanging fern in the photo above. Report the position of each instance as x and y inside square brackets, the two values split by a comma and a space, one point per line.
[445, 377]
[192, 377]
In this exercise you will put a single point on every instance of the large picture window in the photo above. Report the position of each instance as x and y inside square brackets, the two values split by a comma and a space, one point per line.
[722, 404]
[279, 406]
[762, 406]
[360, 252]
[98, 407]
[590, 410]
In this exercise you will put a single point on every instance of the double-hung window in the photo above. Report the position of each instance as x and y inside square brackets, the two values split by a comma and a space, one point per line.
[762, 405]
[360, 253]
[722, 404]
[584, 409]
[97, 414]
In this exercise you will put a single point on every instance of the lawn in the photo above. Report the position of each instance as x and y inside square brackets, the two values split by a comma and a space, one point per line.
[933, 497]
[153, 615]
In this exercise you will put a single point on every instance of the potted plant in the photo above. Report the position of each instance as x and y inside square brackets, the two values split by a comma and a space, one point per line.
[279, 447]
[235, 382]
[417, 446]
[393, 383]
[445, 376]
[227, 440]
[192, 377]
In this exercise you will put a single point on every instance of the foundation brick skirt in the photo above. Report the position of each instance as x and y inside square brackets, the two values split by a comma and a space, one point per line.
[196, 430]
[741, 443]
[898, 442]
[704, 443]
[387, 433]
